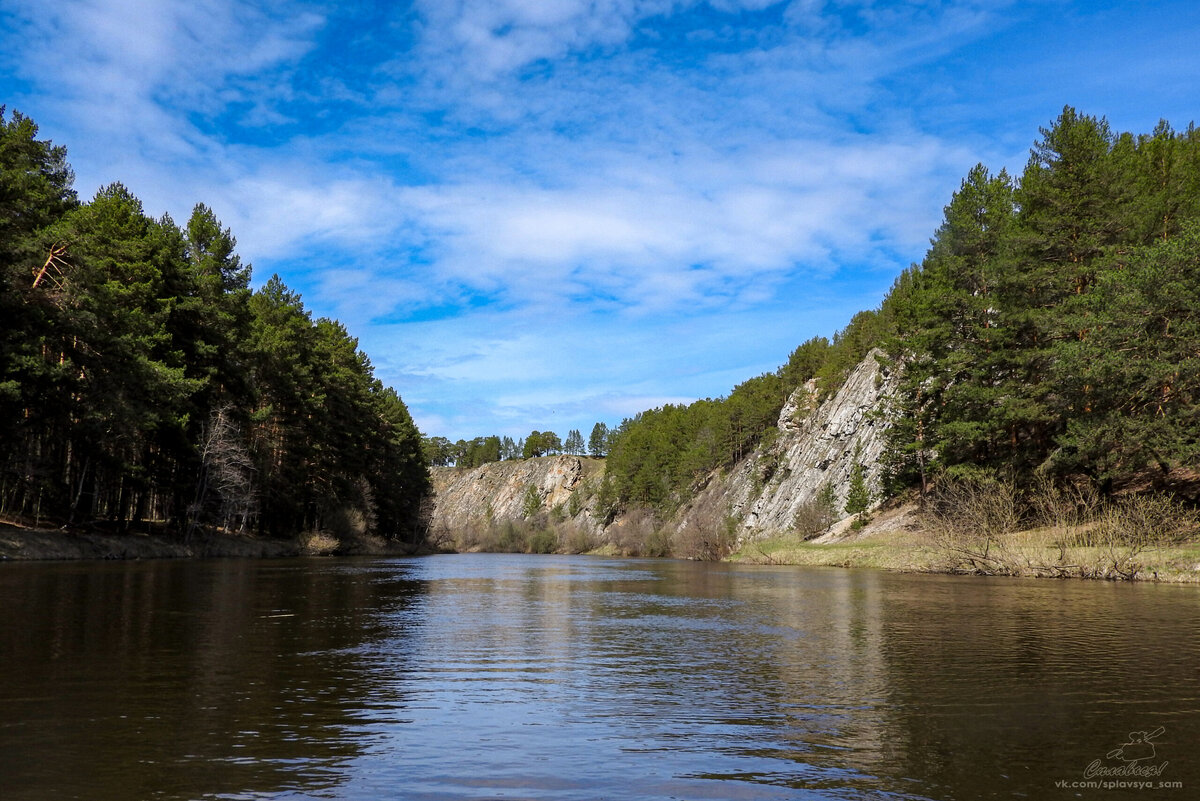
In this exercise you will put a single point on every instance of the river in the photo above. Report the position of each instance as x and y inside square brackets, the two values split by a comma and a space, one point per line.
[545, 677]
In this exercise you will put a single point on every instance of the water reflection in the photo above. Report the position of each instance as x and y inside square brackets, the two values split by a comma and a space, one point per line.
[174, 680]
[572, 677]
[1016, 685]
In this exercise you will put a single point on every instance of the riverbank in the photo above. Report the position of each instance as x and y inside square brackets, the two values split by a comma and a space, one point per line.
[19, 543]
[896, 540]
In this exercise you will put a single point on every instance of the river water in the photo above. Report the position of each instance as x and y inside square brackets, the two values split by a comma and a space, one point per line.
[543, 677]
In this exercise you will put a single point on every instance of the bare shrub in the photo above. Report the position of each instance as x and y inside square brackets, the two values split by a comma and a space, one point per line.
[638, 534]
[468, 538]
[656, 543]
[318, 543]
[509, 538]
[982, 506]
[543, 540]
[968, 516]
[815, 517]
[705, 543]
[439, 537]
[974, 522]
[1147, 520]
[228, 473]
[1129, 526]
[345, 522]
[578, 539]
[1066, 509]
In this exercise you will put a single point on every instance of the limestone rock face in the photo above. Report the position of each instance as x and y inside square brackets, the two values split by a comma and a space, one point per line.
[496, 492]
[816, 446]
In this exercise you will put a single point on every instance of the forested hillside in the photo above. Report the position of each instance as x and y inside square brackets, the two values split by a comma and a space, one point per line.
[1054, 324]
[142, 381]
[1052, 329]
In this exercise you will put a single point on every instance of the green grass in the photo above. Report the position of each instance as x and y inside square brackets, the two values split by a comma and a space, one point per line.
[887, 551]
[908, 551]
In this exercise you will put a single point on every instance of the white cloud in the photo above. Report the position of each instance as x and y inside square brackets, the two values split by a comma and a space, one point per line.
[278, 212]
[490, 37]
[671, 231]
[148, 52]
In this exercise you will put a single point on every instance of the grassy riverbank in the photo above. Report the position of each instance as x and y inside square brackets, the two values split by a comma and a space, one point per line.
[893, 551]
[898, 541]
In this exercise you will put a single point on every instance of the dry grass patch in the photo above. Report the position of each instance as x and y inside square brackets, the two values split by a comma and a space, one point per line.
[980, 525]
[318, 543]
[885, 550]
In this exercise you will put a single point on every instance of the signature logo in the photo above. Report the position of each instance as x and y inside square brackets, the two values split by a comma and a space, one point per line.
[1133, 765]
[1138, 748]
[1137, 758]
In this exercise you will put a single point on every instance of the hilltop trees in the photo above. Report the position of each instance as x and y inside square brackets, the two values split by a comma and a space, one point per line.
[541, 443]
[141, 380]
[598, 441]
[439, 451]
[657, 457]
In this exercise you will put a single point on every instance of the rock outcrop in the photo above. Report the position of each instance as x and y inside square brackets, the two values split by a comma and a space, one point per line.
[818, 444]
[497, 492]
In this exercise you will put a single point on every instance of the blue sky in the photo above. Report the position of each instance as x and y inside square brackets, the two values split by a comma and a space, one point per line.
[539, 214]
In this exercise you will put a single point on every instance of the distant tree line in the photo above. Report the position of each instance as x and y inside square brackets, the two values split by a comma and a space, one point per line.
[141, 380]
[441, 452]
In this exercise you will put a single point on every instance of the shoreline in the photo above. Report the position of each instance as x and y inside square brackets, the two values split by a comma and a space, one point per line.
[896, 541]
[892, 542]
[27, 544]
[1161, 566]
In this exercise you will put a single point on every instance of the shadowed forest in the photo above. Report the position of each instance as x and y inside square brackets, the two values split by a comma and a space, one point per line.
[142, 382]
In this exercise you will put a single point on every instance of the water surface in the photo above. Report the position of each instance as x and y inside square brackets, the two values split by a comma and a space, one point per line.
[498, 676]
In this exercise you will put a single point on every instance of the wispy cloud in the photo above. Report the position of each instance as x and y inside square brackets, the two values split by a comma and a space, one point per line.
[694, 225]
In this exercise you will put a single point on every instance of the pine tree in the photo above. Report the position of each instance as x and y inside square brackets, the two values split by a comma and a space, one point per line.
[598, 441]
[1133, 381]
[531, 503]
[951, 333]
[1071, 209]
[858, 494]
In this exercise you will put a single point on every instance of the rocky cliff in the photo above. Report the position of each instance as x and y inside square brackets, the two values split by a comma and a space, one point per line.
[818, 444]
[497, 492]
